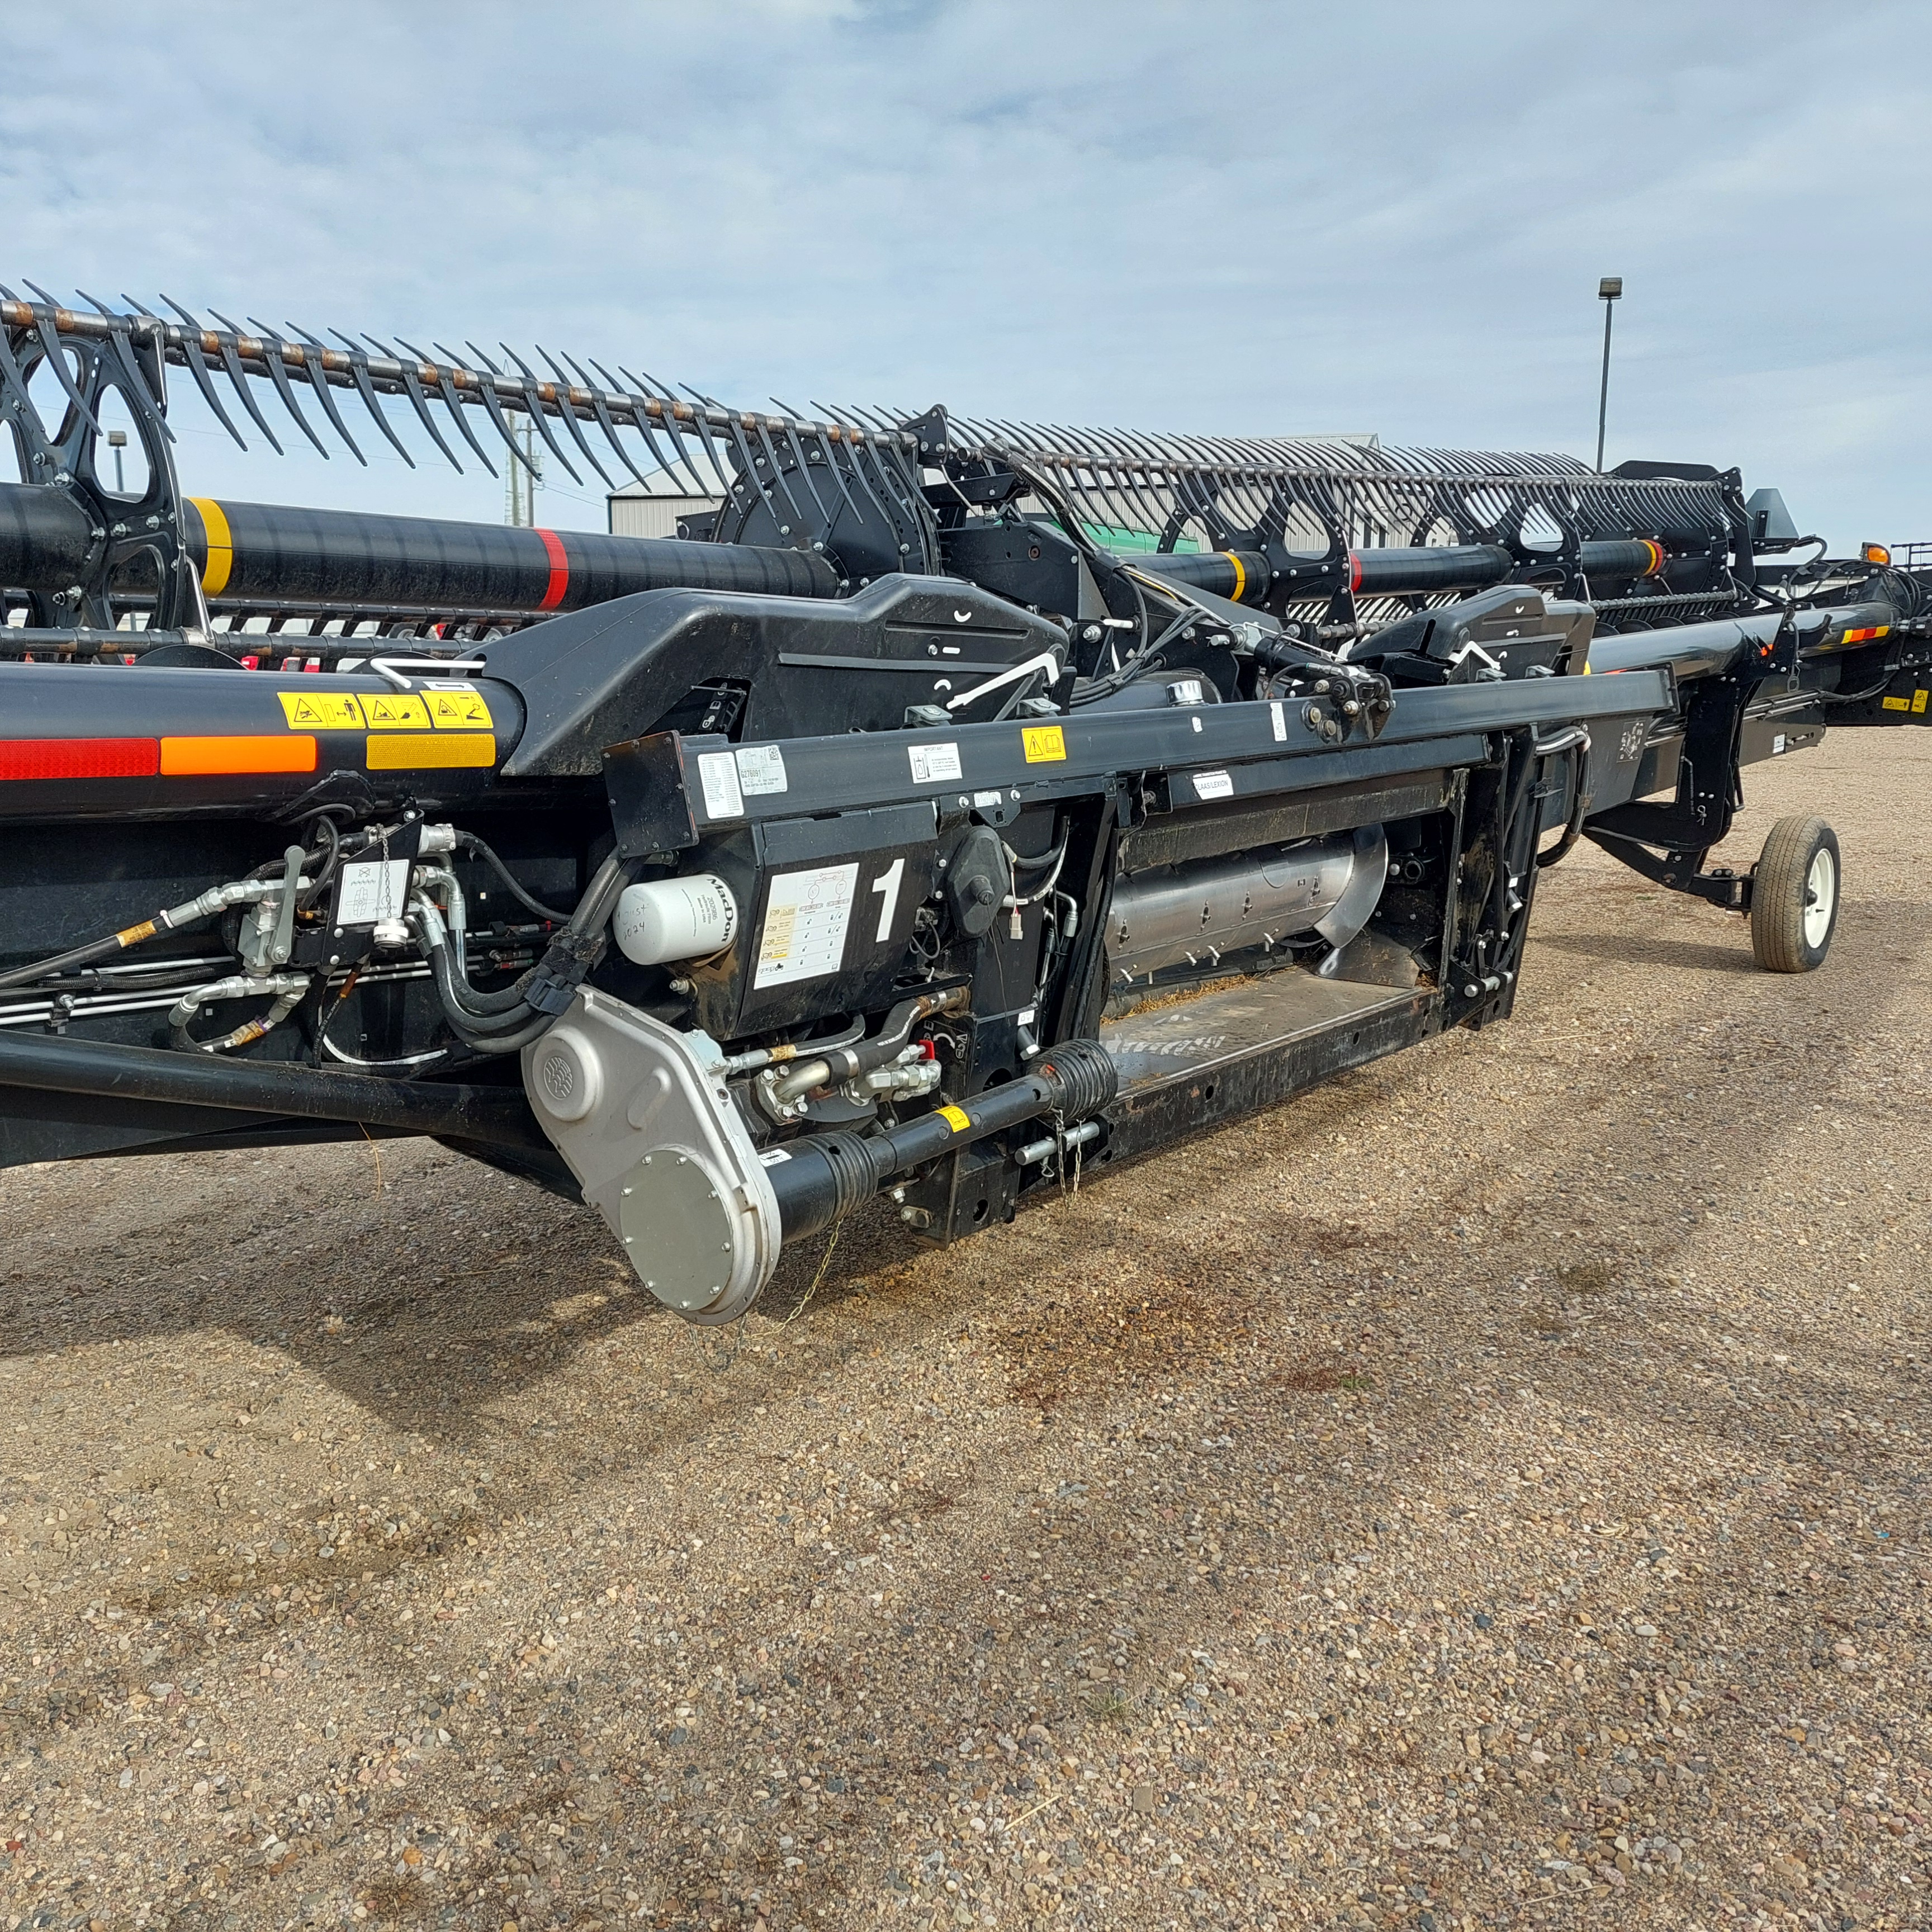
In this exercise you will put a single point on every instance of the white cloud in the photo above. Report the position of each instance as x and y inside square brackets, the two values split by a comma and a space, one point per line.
[1224, 216]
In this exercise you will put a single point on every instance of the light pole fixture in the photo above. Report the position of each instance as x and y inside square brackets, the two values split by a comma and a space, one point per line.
[117, 441]
[1609, 290]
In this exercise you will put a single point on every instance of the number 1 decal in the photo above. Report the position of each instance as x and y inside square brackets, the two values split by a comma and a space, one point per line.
[887, 885]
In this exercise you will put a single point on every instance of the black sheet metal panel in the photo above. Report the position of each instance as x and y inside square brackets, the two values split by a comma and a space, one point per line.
[1176, 838]
[1189, 1066]
[1224, 751]
[889, 854]
[602, 676]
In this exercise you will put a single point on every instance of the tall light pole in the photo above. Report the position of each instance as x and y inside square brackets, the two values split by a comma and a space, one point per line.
[117, 441]
[1609, 290]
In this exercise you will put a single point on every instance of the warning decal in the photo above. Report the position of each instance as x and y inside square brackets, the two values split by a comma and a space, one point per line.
[459, 711]
[1045, 744]
[805, 918]
[321, 710]
[395, 711]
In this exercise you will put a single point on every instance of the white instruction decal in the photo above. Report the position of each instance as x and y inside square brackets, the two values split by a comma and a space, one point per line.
[1280, 717]
[1777, 744]
[774, 1157]
[373, 890]
[934, 764]
[718, 772]
[1212, 784]
[805, 919]
[760, 769]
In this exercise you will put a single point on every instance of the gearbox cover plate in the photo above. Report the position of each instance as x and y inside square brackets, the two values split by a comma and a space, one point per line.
[657, 1143]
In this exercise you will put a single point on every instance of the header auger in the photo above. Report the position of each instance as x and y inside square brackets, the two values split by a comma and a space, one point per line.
[953, 804]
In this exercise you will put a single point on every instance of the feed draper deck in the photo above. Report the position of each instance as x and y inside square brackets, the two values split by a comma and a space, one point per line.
[954, 805]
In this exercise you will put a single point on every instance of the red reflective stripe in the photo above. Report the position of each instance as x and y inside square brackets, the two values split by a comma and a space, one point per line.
[559, 571]
[79, 757]
[1656, 551]
[1355, 573]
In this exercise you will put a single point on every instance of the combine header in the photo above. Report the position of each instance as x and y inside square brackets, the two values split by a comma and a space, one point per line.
[955, 804]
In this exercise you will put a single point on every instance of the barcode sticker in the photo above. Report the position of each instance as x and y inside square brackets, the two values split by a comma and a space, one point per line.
[760, 769]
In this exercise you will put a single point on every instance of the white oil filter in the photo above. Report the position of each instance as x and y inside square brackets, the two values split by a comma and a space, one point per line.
[663, 919]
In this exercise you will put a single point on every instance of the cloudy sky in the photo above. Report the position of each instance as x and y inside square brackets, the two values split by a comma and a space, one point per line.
[1229, 217]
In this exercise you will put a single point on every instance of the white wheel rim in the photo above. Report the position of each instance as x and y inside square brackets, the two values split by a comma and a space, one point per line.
[1821, 896]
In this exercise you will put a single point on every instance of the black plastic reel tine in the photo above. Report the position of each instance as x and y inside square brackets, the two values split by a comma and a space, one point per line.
[748, 456]
[824, 442]
[601, 407]
[699, 416]
[881, 446]
[1110, 515]
[227, 346]
[446, 384]
[13, 377]
[56, 355]
[124, 354]
[637, 393]
[772, 457]
[358, 369]
[568, 409]
[849, 435]
[1063, 465]
[278, 374]
[790, 429]
[312, 348]
[643, 390]
[413, 388]
[1126, 461]
[486, 389]
[666, 396]
[197, 363]
[533, 406]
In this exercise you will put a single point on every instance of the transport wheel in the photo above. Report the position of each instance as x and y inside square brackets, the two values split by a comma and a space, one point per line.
[1794, 898]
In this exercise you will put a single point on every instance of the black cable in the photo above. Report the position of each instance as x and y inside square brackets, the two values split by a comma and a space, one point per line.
[326, 871]
[469, 841]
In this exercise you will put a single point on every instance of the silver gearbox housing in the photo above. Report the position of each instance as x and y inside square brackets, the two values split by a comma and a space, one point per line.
[654, 1138]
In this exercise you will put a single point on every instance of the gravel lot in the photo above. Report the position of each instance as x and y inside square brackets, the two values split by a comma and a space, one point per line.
[1487, 1492]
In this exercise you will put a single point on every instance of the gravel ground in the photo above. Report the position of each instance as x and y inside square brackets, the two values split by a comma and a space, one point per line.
[1486, 1491]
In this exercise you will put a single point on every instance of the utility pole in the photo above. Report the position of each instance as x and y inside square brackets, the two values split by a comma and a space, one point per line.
[526, 472]
[1609, 291]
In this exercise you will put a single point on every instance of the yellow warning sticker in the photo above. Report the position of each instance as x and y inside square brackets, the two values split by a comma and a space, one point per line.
[395, 711]
[1045, 744]
[957, 1118]
[458, 711]
[1918, 700]
[1896, 704]
[321, 710]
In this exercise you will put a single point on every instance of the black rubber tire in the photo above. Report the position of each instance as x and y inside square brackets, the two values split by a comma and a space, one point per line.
[1799, 872]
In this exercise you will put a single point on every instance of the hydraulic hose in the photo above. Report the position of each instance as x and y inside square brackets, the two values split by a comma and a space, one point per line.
[469, 842]
[217, 899]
